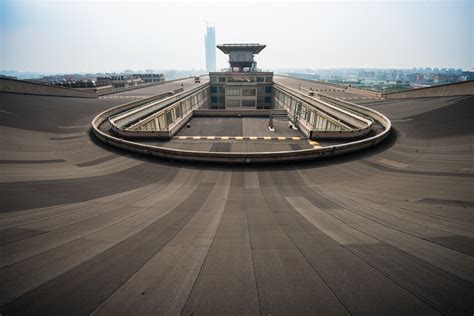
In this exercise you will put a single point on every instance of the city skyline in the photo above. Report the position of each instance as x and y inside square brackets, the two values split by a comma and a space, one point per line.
[108, 36]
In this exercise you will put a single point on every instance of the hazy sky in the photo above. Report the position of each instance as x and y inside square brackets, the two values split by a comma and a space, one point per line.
[93, 36]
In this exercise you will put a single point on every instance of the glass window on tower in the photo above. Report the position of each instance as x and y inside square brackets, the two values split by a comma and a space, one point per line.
[232, 92]
[248, 103]
[169, 117]
[233, 103]
[249, 92]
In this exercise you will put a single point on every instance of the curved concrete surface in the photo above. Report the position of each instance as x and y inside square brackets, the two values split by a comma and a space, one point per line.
[86, 229]
[25, 87]
[451, 89]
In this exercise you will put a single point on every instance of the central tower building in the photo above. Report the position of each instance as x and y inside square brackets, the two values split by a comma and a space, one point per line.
[243, 85]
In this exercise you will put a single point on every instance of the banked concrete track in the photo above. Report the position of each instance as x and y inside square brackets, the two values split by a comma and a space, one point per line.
[87, 229]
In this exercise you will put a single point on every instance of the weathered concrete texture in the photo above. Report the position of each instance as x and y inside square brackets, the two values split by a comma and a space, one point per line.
[364, 92]
[25, 87]
[351, 93]
[154, 88]
[453, 89]
[89, 230]
[333, 90]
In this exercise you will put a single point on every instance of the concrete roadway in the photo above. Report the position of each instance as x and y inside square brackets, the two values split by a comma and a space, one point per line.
[153, 90]
[238, 127]
[319, 87]
[87, 229]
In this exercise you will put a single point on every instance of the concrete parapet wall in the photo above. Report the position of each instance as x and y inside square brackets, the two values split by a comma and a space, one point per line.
[25, 87]
[452, 89]
[103, 90]
[112, 91]
[232, 113]
[374, 115]
[328, 135]
[130, 134]
[367, 93]
[334, 85]
[364, 92]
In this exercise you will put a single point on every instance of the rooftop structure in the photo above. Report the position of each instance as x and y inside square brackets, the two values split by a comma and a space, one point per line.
[241, 55]
[243, 86]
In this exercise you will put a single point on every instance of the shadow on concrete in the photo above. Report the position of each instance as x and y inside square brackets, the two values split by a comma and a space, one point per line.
[383, 146]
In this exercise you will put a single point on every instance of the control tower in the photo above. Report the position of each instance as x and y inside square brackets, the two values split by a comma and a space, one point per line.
[241, 55]
[243, 85]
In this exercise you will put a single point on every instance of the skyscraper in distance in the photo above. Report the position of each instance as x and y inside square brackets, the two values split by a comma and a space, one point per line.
[210, 42]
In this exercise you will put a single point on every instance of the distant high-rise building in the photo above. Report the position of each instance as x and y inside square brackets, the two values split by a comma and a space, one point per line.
[210, 41]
